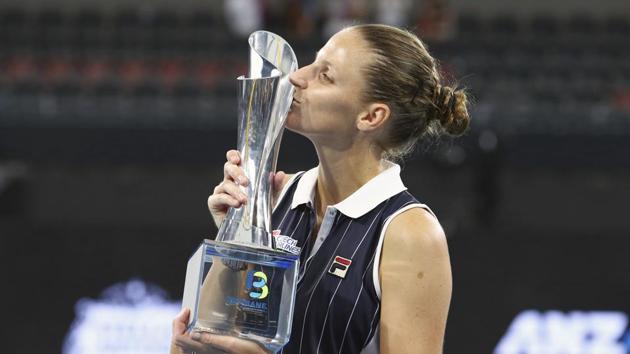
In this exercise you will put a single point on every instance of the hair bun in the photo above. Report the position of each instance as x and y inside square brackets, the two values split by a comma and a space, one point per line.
[451, 110]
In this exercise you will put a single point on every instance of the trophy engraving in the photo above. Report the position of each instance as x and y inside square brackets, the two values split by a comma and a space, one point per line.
[239, 285]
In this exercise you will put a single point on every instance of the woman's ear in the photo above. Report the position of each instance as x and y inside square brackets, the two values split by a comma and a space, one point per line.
[373, 117]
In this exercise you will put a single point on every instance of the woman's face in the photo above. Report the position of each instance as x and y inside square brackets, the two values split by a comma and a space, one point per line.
[327, 92]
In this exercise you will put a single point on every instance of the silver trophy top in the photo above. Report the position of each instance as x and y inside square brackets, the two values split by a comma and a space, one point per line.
[271, 56]
[264, 100]
[269, 53]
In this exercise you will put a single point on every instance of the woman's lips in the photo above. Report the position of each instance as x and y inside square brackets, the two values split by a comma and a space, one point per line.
[294, 104]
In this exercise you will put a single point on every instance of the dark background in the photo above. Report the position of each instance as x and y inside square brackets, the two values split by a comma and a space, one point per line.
[114, 123]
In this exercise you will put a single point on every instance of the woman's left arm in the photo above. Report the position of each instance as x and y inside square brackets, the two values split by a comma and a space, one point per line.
[416, 283]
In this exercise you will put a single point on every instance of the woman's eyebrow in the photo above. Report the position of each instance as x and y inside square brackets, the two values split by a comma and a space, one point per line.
[323, 61]
[326, 62]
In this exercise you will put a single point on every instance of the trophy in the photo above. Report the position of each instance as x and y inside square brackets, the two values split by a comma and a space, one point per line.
[239, 285]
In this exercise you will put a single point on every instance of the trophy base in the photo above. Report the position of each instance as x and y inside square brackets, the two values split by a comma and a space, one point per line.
[240, 291]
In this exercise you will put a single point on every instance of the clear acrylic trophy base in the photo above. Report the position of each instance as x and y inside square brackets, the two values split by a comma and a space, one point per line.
[242, 291]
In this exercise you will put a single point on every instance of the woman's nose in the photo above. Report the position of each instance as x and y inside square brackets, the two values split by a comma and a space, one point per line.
[298, 79]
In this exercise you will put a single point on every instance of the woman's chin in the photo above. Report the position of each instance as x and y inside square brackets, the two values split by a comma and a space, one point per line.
[294, 125]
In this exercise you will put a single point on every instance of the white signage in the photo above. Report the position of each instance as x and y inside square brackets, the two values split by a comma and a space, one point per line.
[130, 318]
[576, 332]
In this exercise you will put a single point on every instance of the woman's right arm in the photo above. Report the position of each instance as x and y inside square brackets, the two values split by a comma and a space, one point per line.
[229, 194]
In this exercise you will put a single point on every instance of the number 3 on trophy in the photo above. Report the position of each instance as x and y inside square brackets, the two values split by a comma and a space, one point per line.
[259, 284]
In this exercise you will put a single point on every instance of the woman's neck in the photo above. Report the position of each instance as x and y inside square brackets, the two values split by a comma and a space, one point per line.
[341, 173]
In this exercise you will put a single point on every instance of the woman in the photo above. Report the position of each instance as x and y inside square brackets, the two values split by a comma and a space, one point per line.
[375, 269]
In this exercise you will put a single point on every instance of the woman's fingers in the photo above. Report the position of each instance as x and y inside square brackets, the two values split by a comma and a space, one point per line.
[233, 156]
[207, 344]
[232, 170]
[183, 315]
[180, 321]
[232, 190]
[220, 202]
[234, 173]
[228, 344]
[188, 344]
[179, 328]
[222, 342]
[228, 193]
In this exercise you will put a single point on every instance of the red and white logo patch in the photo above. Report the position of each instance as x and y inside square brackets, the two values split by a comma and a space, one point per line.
[285, 243]
[340, 266]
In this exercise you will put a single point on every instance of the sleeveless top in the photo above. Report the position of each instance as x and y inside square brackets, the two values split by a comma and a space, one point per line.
[337, 307]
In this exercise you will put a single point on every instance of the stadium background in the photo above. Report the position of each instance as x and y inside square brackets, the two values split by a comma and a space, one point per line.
[115, 116]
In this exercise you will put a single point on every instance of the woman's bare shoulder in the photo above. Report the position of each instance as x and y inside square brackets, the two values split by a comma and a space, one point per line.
[418, 230]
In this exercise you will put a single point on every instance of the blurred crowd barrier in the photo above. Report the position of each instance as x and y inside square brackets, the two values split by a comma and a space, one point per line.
[133, 68]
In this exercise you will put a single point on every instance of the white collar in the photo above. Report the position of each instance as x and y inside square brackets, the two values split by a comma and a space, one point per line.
[383, 186]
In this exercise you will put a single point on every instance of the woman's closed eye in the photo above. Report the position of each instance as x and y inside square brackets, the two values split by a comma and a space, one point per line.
[325, 77]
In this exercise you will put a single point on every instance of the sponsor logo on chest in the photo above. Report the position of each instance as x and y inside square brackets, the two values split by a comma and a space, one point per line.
[339, 266]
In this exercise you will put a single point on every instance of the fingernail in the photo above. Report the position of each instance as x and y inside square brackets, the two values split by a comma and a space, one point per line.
[195, 335]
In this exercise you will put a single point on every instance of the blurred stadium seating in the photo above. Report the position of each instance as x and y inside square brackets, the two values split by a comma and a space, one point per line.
[539, 75]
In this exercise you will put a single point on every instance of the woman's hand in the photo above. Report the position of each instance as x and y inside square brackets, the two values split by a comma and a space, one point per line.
[206, 343]
[229, 194]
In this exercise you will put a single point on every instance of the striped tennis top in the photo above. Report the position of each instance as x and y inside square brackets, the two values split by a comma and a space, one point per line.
[337, 307]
